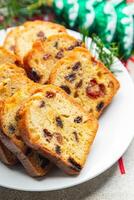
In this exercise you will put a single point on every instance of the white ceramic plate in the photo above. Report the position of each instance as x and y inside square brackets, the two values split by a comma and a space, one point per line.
[115, 133]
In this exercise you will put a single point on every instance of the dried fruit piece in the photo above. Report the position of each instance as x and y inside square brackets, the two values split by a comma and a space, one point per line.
[47, 134]
[46, 56]
[70, 48]
[76, 94]
[79, 84]
[66, 89]
[100, 106]
[70, 77]
[76, 66]
[59, 122]
[78, 119]
[95, 90]
[59, 55]
[34, 75]
[42, 104]
[50, 94]
[74, 164]
[78, 43]
[58, 149]
[76, 136]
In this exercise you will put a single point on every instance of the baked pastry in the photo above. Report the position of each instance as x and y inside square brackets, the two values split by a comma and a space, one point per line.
[7, 57]
[10, 136]
[6, 156]
[9, 42]
[13, 91]
[87, 80]
[33, 31]
[41, 59]
[52, 123]
[6, 71]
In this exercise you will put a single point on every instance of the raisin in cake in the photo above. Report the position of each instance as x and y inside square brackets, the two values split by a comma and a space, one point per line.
[85, 79]
[52, 123]
[33, 31]
[41, 59]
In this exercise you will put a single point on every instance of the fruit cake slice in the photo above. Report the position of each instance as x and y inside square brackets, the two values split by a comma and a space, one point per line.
[7, 57]
[9, 42]
[87, 80]
[52, 123]
[34, 163]
[6, 71]
[33, 31]
[6, 156]
[41, 59]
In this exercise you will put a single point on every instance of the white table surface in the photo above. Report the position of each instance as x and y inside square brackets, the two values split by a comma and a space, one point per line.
[110, 185]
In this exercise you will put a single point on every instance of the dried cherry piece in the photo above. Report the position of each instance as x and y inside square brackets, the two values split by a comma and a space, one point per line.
[59, 122]
[95, 90]
[66, 89]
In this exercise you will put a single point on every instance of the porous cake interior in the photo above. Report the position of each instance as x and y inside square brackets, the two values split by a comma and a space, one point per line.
[41, 60]
[59, 127]
[86, 80]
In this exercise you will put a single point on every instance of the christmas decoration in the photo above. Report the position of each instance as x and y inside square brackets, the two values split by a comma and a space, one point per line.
[111, 20]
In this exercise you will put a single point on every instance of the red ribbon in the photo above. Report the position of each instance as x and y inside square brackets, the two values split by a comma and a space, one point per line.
[121, 166]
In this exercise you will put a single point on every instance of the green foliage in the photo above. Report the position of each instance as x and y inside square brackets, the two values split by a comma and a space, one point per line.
[107, 57]
[16, 11]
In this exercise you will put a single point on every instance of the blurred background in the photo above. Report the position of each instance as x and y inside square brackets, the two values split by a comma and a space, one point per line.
[111, 20]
